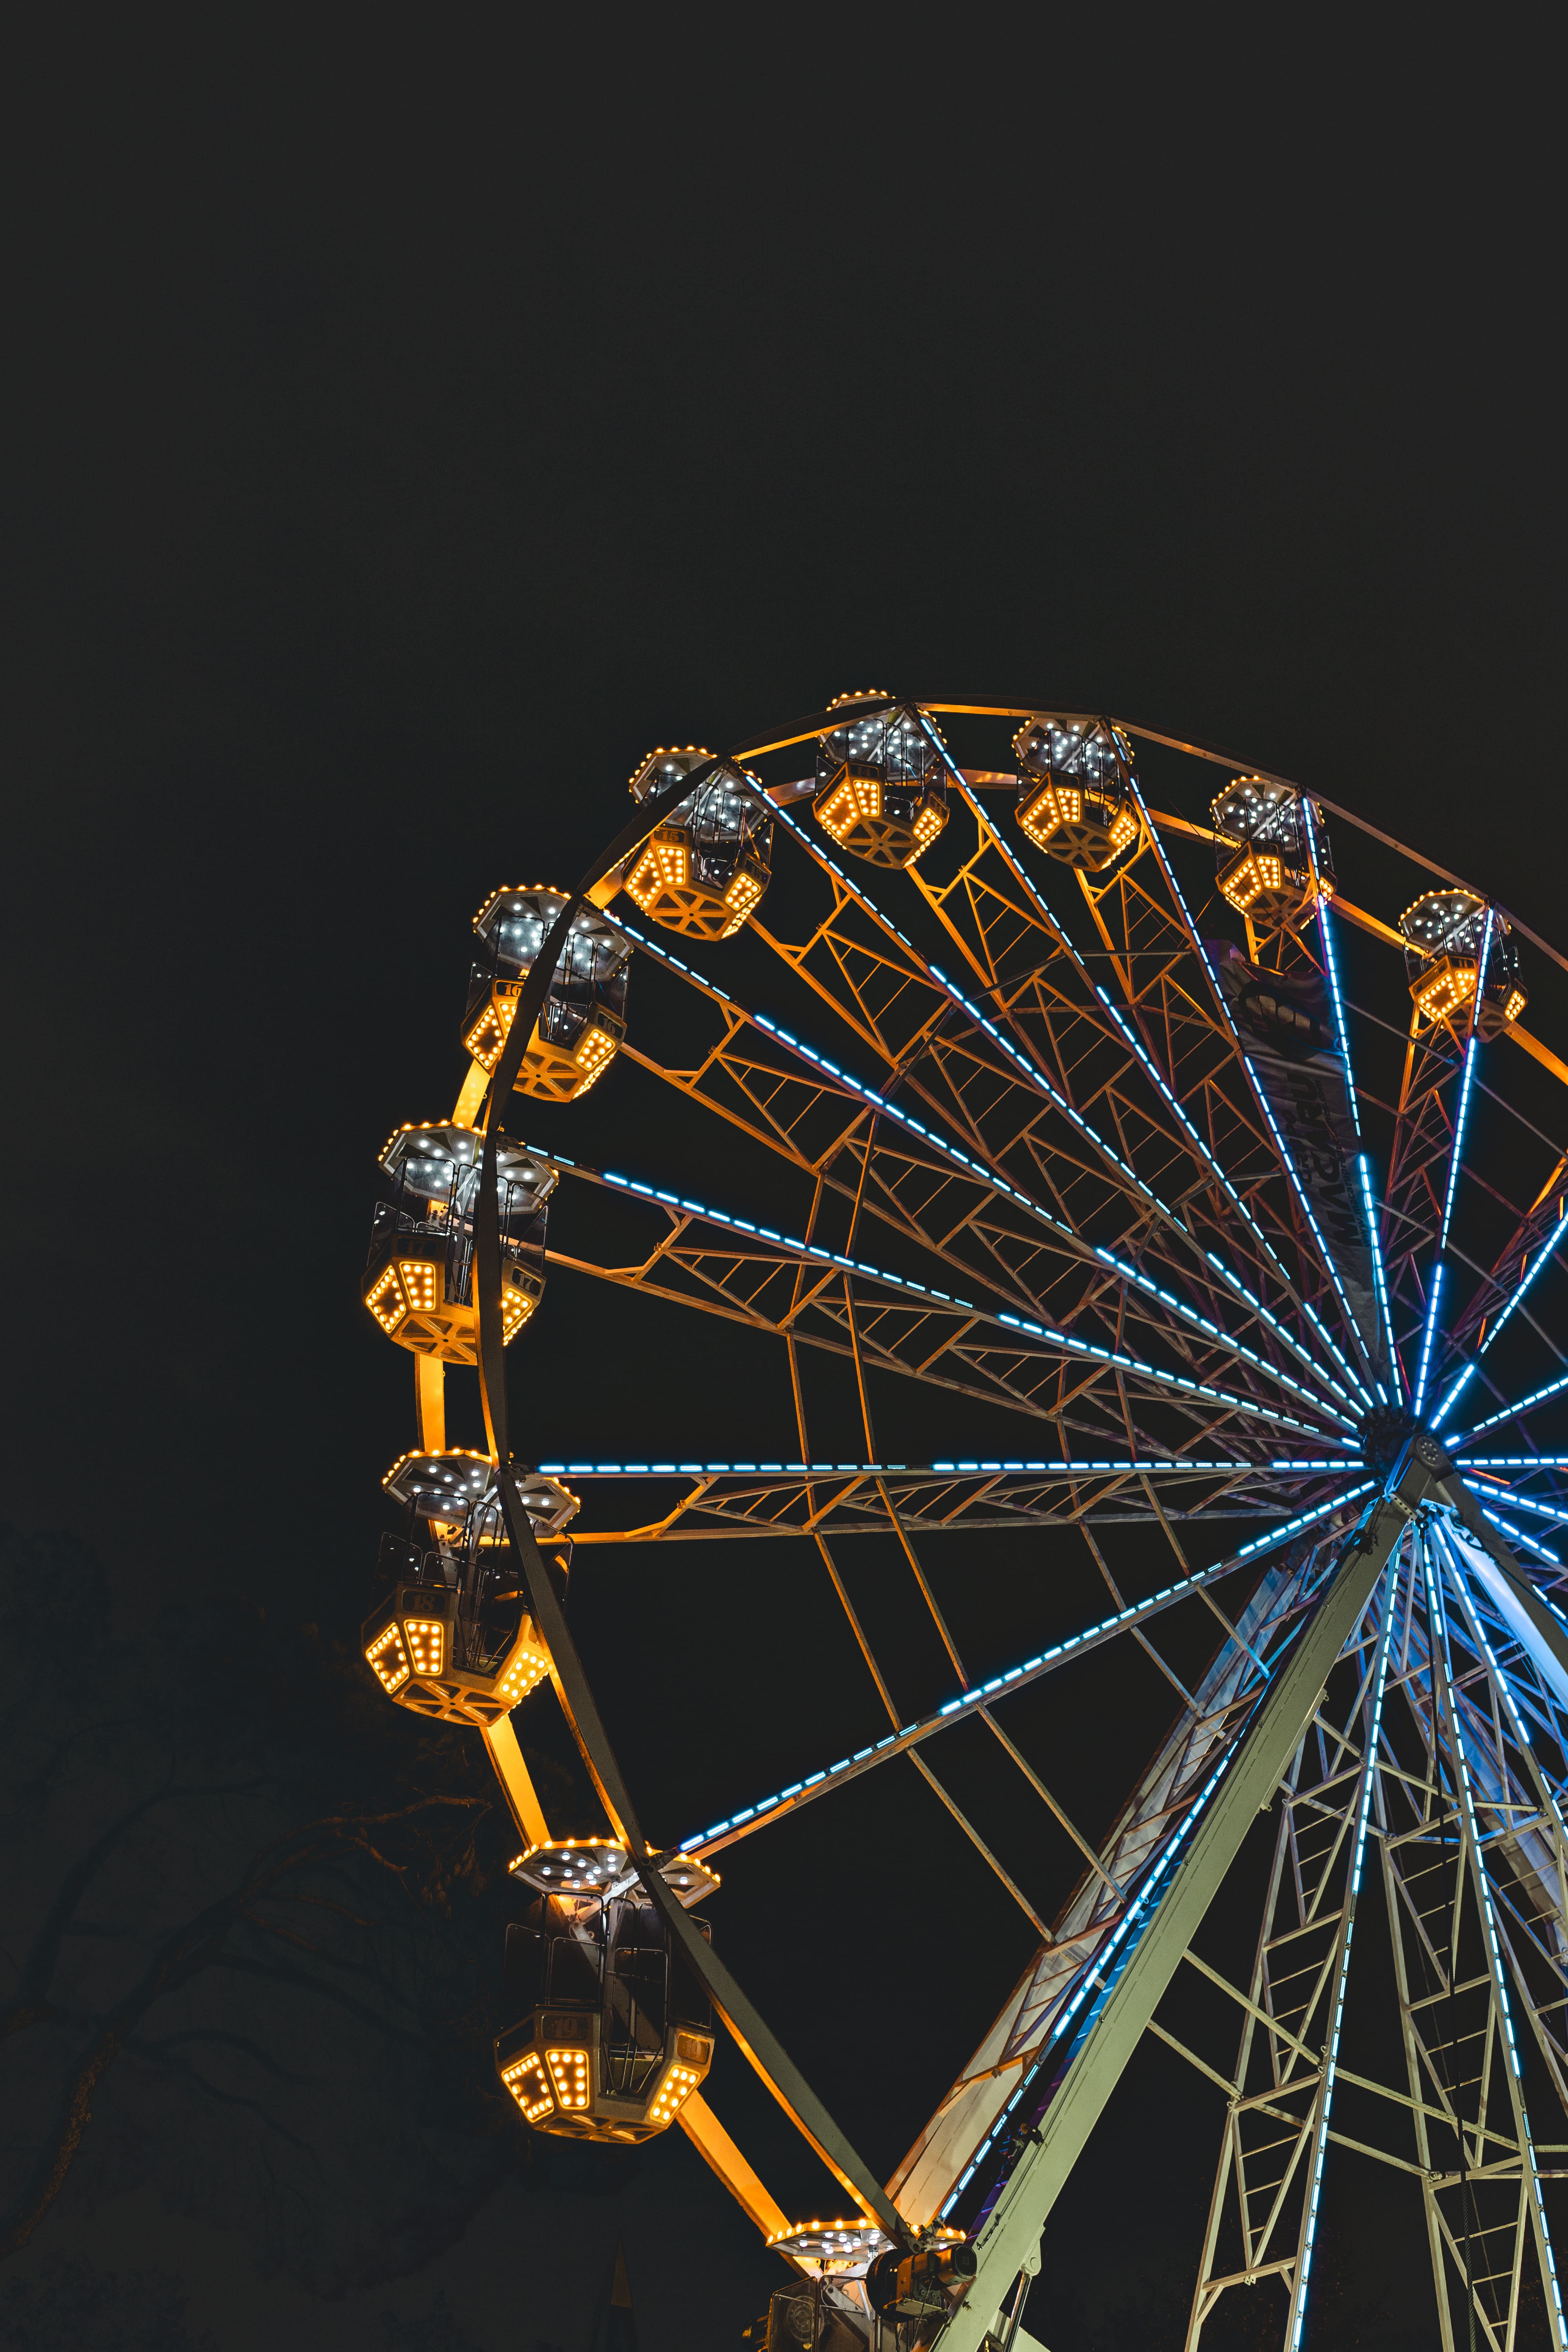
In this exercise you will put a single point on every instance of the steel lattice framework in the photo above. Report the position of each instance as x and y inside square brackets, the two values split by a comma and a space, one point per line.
[1242, 1228]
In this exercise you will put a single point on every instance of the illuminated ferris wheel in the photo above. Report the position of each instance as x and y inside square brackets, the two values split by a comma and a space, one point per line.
[1212, 1217]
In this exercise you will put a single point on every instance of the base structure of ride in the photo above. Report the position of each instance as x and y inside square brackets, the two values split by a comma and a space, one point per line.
[1221, 1212]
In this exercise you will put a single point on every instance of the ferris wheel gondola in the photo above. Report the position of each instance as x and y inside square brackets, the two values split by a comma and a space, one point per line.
[1220, 1231]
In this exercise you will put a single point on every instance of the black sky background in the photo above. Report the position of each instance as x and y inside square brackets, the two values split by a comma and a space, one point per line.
[412, 421]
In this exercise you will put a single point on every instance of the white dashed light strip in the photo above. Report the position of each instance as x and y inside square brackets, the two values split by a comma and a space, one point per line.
[1541, 1510]
[1517, 1461]
[1428, 1336]
[1494, 1957]
[1053, 1337]
[1259, 1094]
[1380, 1280]
[1232, 1281]
[1512, 1412]
[1341, 1030]
[984, 1175]
[849, 1768]
[1330, 964]
[1465, 1085]
[1517, 1534]
[1161, 1465]
[1042, 1085]
[1093, 1980]
[1516, 1299]
[1472, 1049]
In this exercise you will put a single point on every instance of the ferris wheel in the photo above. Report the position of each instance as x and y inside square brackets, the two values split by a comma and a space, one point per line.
[1203, 1197]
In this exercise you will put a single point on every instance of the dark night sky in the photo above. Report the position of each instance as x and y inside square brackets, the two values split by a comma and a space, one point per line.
[412, 421]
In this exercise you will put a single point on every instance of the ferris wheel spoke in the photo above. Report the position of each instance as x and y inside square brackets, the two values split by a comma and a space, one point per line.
[835, 1499]
[1381, 1348]
[852, 964]
[1176, 914]
[1513, 1303]
[1229, 1191]
[1433, 1316]
[1510, 1412]
[1111, 1291]
[1539, 1223]
[829, 1085]
[1061, 2001]
[1258, 1630]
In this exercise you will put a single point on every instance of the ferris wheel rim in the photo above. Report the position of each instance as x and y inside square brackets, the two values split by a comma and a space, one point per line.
[491, 1362]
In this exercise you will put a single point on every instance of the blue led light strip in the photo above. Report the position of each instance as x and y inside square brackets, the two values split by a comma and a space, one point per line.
[1041, 1083]
[1516, 1298]
[1330, 964]
[1428, 1336]
[1465, 1085]
[1512, 1412]
[1494, 1960]
[1341, 1030]
[1518, 1536]
[1541, 1510]
[1233, 1282]
[1288, 1164]
[1094, 1977]
[1059, 1471]
[1065, 1341]
[1297, 2313]
[1518, 1462]
[977, 1170]
[1151, 1068]
[1472, 1050]
[849, 1768]
[1380, 1280]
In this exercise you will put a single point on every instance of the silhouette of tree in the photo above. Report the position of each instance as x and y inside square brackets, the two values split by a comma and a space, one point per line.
[255, 1928]
[75, 2303]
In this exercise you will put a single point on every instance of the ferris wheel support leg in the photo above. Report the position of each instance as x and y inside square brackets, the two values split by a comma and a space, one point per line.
[517, 1782]
[1242, 1790]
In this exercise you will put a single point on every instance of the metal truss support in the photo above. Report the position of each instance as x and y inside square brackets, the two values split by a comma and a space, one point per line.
[1160, 1924]
[1263, 2212]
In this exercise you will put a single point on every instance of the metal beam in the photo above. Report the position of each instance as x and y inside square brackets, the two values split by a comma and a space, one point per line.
[1122, 2015]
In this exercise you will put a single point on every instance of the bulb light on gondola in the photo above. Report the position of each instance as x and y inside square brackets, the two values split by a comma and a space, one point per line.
[881, 792]
[451, 1636]
[419, 1276]
[706, 868]
[1272, 867]
[614, 2032]
[839, 2249]
[1447, 932]
[1074, 798]
[583, 1022]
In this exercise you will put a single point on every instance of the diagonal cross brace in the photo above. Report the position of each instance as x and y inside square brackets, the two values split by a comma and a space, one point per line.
[1123, 2015]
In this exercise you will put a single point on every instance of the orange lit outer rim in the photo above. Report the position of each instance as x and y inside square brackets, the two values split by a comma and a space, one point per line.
[756, 2039]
